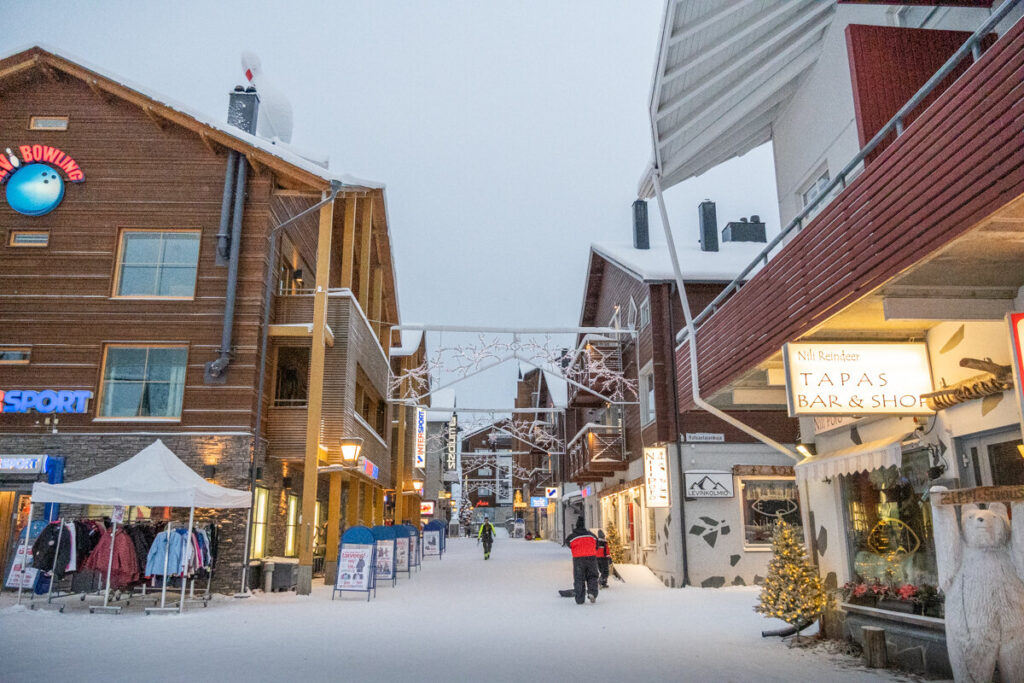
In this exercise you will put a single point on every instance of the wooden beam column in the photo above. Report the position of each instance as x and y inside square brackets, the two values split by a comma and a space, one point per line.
[377, 304]
[352, 507]
[402, 411]
[314, 403]
[333, 529]
[365, 258]
[348, 244]
[368, 503]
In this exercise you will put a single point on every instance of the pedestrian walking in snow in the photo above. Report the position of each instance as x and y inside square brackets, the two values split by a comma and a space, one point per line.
[486, 536]
[585, 574]
[604, 558]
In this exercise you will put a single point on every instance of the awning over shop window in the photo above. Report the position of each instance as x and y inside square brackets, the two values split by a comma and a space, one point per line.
[869, 456]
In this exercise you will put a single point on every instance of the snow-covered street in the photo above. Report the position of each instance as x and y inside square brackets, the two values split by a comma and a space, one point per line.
[458, 619]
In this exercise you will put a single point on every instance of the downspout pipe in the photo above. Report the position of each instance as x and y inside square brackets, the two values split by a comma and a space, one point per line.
[679, 449]
[217, 368]
[225, 209]
[268, 292]
[691, 337]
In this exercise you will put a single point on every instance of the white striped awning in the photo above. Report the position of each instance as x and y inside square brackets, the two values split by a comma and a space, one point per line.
[866, 457]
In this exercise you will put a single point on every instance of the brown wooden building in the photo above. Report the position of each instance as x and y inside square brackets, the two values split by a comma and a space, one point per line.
[124, 290]
[631, 287]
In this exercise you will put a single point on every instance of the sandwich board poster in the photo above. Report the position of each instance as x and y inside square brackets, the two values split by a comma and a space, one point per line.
[402, 554]
[386, 559]
[414, 548]
[355, 567]
[23, 558]
[432, 543]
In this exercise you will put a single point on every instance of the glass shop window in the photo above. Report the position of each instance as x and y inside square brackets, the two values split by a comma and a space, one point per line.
[291, 386]
[291, 526]
[765, 501]
[259, 523]
[155, 263]
[143, 382]
[651, 526]
[889, 523]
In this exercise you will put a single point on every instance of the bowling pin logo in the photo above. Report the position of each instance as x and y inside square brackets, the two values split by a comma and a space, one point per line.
[35, 186]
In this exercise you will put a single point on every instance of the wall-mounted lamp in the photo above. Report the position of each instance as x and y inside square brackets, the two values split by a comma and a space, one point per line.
[807, 450]
[350, 448]
[417, 486]
[209, 471]
[1020, 449]
[286, 482]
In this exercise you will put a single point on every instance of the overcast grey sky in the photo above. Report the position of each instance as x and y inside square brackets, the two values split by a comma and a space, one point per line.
[510, 135]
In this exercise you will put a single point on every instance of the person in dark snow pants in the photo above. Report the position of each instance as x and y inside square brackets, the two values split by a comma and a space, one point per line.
[604, 558]
[486, 536]
[585, 574]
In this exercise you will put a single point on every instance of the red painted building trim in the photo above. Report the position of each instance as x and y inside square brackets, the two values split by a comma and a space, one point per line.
[957, 163]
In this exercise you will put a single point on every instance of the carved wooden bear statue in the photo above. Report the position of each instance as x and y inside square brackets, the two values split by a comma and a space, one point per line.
[981, 571]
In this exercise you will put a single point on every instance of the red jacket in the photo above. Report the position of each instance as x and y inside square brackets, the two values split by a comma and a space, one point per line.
[582, 543]
[602, 548]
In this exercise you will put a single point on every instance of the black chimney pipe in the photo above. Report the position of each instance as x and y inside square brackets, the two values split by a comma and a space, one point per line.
[641, 233]
[243, 108]
[708, 218]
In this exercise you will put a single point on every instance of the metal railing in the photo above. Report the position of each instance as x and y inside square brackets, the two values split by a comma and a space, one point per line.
[971, 47]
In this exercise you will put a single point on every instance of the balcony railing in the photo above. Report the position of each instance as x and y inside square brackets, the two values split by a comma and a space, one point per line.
[596, 451]
[596, 374]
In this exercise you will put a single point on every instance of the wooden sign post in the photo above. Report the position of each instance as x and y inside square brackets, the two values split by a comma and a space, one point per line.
[981, 494]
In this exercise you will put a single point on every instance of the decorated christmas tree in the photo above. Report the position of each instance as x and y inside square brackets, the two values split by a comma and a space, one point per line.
[615, 547]
[792, 591]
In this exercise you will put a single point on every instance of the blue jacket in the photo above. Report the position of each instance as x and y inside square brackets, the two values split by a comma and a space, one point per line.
[159, 549]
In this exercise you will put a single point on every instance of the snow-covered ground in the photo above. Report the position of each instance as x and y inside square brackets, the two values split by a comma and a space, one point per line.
[458, 619]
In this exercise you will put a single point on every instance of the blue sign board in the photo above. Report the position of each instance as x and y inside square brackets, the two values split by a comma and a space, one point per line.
[48, 401]
[538, 501]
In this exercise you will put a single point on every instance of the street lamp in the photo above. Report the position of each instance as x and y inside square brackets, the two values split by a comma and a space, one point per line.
[417, 486]
[350, 448]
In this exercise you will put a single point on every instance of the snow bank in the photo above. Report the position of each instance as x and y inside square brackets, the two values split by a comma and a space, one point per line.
[638, 576]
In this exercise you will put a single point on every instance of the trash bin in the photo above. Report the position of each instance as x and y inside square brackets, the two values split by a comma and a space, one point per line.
[284, 576]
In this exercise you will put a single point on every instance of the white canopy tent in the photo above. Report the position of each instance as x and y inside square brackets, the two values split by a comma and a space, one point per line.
[154, 477]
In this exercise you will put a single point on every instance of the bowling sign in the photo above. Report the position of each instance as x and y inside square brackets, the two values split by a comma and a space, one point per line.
[34, 185]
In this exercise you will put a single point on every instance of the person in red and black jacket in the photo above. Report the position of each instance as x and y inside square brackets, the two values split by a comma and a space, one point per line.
[583, 544]
[604, 558]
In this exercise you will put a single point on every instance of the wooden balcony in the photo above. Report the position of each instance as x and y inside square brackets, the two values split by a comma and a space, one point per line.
[597, 451]
[597, 365]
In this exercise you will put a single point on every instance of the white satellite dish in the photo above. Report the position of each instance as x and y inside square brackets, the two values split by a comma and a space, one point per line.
[274, 121]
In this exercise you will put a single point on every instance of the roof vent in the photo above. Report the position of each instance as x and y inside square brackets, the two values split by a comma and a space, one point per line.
[744, 230]
[243, 106]
[708, 218]
[641, 233]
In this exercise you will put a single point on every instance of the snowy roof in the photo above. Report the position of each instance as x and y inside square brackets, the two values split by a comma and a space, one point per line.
[410, 343]
[283, 152]
[442, 405]
[558, 388]
[655, 264]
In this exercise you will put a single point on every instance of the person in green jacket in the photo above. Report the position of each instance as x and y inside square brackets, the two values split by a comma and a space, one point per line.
[486, 536]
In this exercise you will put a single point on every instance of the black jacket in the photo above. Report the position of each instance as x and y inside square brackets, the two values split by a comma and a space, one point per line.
[45, 549]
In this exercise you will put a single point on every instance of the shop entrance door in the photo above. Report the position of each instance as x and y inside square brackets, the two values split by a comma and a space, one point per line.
[994, 460]
[7, 520]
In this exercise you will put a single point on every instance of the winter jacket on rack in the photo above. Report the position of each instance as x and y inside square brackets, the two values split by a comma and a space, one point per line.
[45, 550]
[124, 566]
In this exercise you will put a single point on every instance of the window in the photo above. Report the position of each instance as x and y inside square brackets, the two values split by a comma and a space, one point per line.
[15, 355]
[645, 313]
[154, 263]
[319, 534]
[764, 502]
[811, 192]
[143, 382]
[291, 526]
[647, 397]
[889, 524]
[291, 384]
[48, 123]
[259, 523]
[29, 238]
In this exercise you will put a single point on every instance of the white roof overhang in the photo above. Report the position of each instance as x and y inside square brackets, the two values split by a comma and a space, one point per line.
[866, 457]
[725, 69]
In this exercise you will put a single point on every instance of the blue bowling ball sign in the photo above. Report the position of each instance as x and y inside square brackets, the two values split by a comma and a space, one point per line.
[35, 182]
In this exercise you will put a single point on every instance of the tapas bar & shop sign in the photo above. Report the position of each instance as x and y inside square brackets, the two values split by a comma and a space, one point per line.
[857, 379]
